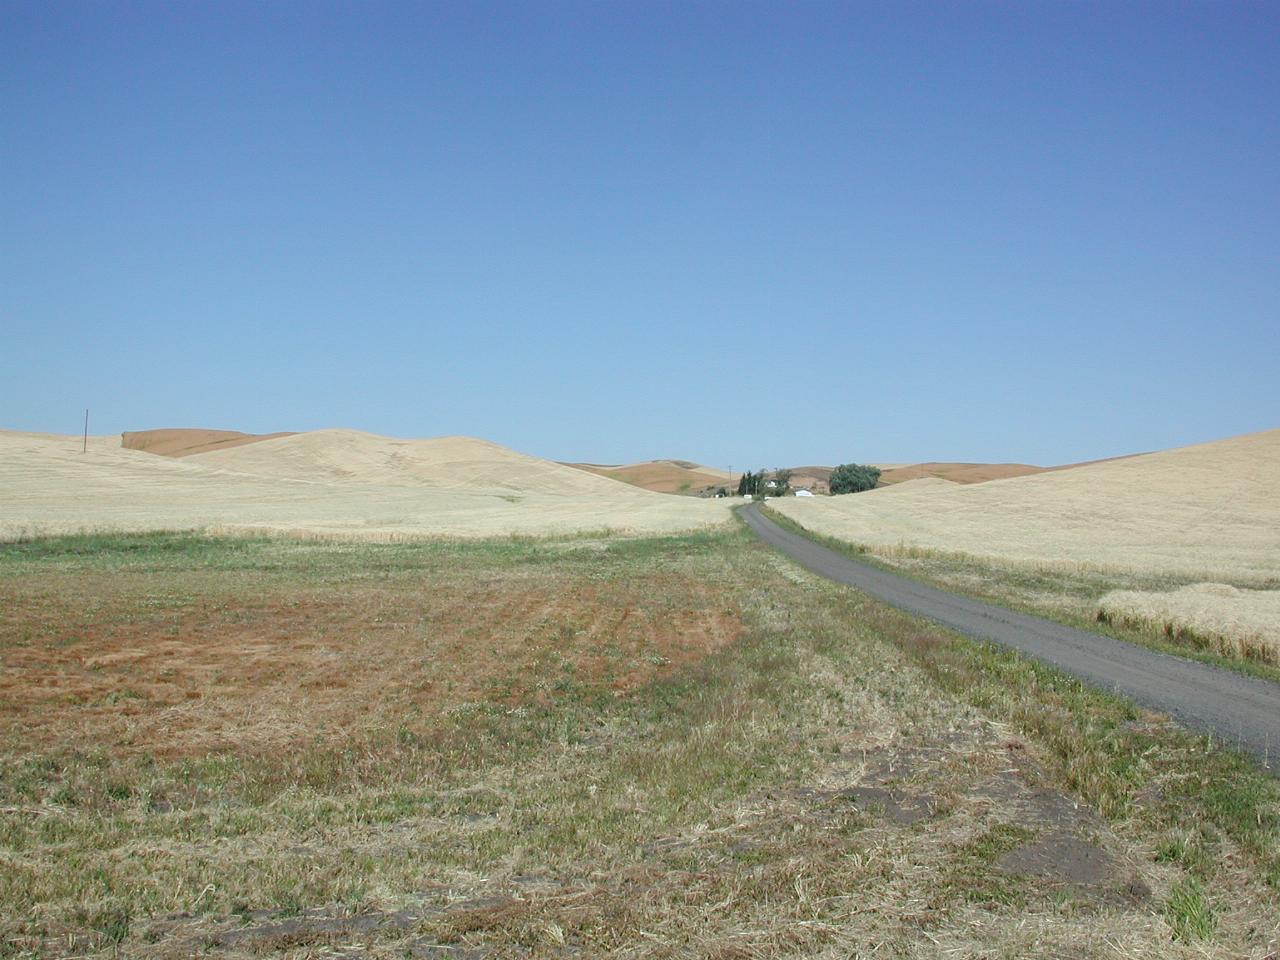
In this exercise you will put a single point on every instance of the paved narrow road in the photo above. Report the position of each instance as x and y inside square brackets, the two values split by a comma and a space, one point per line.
[1239, 710]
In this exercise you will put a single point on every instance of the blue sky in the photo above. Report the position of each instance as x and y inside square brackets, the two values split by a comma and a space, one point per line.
[733, 232]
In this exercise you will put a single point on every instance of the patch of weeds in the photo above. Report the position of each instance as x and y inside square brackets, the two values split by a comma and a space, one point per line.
[972, 876]
[111, 923]
[1185, 848]
[120, 696]
[65, 795]
[1189, 912]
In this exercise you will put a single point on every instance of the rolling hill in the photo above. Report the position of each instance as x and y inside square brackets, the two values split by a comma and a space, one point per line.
[1207, 510]
[184, 442]
[959, 472]
[660, 476]
[331, 483]
[443, 463]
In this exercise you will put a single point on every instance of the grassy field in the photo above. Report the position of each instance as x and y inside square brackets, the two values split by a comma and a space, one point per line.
[682, 746]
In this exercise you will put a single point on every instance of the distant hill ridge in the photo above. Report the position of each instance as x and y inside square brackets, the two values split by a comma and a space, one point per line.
[674, 476]
[183, 442]
[446, 463]
[326, 483]
[1208, 510]
[660, 476]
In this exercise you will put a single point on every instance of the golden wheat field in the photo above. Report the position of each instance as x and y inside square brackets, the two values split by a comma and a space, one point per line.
[1234, 622]
[327, 483]
[1210, 511]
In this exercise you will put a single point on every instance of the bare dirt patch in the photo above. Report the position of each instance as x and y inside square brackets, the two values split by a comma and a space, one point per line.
[185, 674]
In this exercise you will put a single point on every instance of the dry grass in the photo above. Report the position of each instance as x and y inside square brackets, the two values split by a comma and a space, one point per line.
[1211, 512]
[1228, 620]
[441, 463]
[1072, 597]
[327, 483]
[959, 472]
[669, 748]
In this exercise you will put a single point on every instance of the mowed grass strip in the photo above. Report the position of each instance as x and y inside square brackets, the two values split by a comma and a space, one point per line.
[673, 747]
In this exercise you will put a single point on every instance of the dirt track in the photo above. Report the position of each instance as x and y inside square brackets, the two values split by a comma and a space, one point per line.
[1239, 710]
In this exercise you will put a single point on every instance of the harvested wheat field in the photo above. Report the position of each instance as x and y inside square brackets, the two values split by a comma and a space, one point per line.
[184, 442]
[340, 483]
[974, 472]
[1210, 511]
[660, 476]
[959, 472]
[1235, 622]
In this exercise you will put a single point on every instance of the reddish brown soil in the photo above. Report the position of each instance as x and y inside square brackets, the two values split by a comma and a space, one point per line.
[660, 476]
[976, 472]
[181, 442]
[212, 667]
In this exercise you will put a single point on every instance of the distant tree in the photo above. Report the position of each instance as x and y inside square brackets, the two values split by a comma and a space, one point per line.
[750, 484]
[853, 478]
[782, 480]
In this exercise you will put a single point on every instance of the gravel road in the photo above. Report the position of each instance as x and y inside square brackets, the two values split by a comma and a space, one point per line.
[1239, 710]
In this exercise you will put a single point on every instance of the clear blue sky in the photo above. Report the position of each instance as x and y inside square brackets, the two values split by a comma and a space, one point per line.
[747, 234]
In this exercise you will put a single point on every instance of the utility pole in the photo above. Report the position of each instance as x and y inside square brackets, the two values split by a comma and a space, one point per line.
[85, 447]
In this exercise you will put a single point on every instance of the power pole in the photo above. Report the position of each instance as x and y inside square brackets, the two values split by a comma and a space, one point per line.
[85, 447]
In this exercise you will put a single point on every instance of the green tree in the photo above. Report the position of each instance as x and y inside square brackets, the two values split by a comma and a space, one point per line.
[853, 478]
[751, 483]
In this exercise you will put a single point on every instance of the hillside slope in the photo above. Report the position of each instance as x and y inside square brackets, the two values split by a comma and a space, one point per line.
[1209, 509]
[445, 463]
[333, 483]
[960, 472]
[181, 442]
[660, 476]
